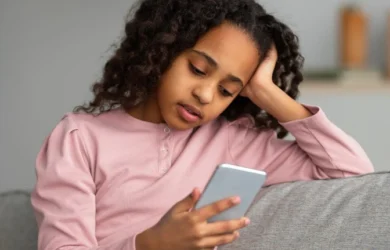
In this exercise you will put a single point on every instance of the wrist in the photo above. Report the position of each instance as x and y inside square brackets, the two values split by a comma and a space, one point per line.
[276, 102]
[144, 241]
[266, 95]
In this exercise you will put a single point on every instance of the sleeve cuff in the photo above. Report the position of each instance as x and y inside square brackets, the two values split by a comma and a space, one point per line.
[132, 243]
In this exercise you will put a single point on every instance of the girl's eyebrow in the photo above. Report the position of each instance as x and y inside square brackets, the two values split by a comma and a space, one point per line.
[214, 64]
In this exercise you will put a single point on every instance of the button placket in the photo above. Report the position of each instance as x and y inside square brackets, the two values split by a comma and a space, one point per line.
[164, 151]
[165, 154]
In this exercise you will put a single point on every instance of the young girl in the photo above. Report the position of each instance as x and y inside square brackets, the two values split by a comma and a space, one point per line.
[193, 84]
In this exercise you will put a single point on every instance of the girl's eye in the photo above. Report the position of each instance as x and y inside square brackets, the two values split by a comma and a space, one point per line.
[225, 92]
[196, 71]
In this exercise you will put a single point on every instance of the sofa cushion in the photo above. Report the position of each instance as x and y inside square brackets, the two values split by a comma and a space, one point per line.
[349, 213]
[18, 230]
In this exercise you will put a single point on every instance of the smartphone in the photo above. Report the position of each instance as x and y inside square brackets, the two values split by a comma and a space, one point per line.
[230, 180]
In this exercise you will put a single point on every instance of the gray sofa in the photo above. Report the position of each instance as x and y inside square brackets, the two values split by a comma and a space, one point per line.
[349, 213]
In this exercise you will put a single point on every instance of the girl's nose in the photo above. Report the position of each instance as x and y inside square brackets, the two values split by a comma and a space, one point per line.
[204, 93]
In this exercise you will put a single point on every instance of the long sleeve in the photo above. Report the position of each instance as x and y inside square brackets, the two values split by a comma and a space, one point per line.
[64, 196]
[320, 150]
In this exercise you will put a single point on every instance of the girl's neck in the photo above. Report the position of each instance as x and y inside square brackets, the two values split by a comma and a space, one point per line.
[147, 111]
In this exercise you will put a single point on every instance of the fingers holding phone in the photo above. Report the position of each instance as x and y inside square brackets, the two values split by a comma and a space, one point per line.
[185, 228]
[211, 219]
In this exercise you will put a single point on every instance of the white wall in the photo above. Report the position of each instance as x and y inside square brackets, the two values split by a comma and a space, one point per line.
[51, 51]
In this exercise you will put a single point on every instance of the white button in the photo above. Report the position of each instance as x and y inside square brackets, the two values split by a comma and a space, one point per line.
[164, 152]
[167, 130]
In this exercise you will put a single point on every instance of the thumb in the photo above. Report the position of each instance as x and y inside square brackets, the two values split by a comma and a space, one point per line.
[188, 202]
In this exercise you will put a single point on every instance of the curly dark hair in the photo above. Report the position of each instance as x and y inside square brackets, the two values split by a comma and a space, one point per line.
[160, 30]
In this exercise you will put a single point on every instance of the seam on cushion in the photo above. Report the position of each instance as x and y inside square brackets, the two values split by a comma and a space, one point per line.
[15, 192]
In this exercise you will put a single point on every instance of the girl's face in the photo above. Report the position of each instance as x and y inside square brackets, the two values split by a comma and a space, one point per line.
[203, 81]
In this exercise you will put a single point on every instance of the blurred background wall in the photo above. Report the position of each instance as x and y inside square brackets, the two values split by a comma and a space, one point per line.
[51, 52]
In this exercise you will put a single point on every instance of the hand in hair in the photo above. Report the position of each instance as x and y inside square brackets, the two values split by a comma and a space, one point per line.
[263, 74]
[263, 92]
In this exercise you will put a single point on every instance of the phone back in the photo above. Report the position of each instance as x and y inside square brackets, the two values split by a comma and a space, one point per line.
[230, 180]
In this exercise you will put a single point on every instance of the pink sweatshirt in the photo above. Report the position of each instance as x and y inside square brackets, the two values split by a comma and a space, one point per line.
[102, 180]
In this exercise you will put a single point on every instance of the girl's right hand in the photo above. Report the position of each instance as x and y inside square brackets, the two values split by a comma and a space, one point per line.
[182, 229]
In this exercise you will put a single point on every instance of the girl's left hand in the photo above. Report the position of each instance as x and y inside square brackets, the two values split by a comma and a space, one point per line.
[263, 92]
[263, 75]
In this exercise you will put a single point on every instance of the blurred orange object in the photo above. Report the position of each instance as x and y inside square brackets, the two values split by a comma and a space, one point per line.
[354, 38]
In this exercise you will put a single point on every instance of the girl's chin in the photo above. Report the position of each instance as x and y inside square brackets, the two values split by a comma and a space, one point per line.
[178, 124]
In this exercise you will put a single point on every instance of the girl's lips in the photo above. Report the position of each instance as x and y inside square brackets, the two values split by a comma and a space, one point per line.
[187, 115]
[192, 109]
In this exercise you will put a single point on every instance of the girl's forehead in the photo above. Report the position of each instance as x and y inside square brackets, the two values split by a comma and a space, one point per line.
[232, 49]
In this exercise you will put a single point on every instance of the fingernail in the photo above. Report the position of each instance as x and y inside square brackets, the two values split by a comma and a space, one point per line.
[247, 221]
[236, 200]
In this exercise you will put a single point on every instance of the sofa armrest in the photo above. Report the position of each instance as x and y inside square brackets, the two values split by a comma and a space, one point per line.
[348, 213]
[18, 228]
